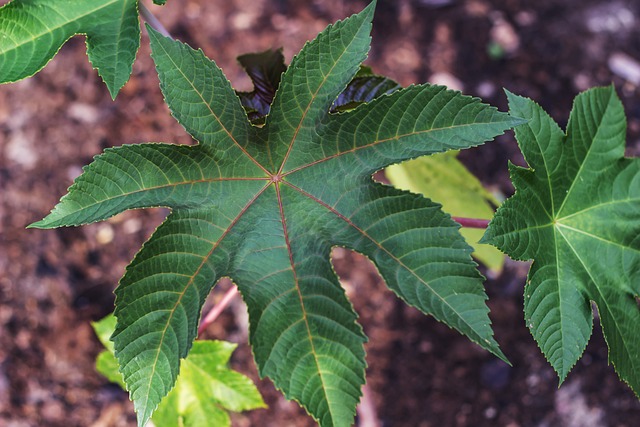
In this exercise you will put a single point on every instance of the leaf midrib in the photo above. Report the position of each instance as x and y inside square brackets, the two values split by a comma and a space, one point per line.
[176, 67]
[547, 171]
[301, 298]
[223, 385]
[595, 236]
[119, 35]
[159, 187]
[560, 305]
[205, 259]
[381, 141]
[600, 205]
[313, 98]
[586, 157]
[602, 299]
[385, 250]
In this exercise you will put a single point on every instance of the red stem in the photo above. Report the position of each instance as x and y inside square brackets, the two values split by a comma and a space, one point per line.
[152, 20]
[471, 222]
[217, 309]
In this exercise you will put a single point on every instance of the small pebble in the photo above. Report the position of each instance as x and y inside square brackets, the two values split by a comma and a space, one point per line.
[446, 79]
[486, 89]
[477, 8]
[613, 17]
[132, 226]
[82, 112]
[490, 413]
[436, 3]
[504, 35]
[104, 234]
[242, 21]
[582, 82]
[73, 172]
[525, 18]
[20, 150]
[626, 67]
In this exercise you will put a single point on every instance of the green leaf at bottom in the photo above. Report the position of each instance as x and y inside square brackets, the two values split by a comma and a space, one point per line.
[205, 390]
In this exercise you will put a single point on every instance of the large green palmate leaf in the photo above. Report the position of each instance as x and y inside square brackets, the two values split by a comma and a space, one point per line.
[576, 213]
[205, 390]
[32, 31]
[265, 205]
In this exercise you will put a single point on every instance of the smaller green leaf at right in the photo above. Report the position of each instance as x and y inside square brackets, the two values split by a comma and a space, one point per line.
[206, 388]
[576, 213]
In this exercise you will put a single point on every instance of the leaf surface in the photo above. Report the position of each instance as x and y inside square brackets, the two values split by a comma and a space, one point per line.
[32, 31]
[576, 213]
[265, 205]
[444, 179]
[205, 390]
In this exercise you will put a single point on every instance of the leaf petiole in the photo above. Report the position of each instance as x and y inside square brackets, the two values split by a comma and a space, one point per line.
[471, 222]
[152, 20]
[217, 309]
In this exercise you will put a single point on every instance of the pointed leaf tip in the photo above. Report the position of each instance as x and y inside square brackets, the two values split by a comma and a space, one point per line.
[154, 35]
[34, 31]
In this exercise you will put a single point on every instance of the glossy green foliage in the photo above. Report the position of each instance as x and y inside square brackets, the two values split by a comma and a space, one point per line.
[205, 390]
[32, 31]
[265, 205]
[576, 213]
[444, 179]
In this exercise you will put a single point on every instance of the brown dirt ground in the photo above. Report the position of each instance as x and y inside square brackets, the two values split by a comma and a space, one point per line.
[52, 283]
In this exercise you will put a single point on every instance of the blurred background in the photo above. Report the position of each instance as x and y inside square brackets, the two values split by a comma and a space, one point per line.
[421, 374]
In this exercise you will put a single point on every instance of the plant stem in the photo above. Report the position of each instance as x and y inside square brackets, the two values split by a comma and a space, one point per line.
[152, 20]
[471, 222]
[217, 309]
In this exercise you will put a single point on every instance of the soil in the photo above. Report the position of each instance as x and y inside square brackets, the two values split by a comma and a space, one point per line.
[421, 374]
